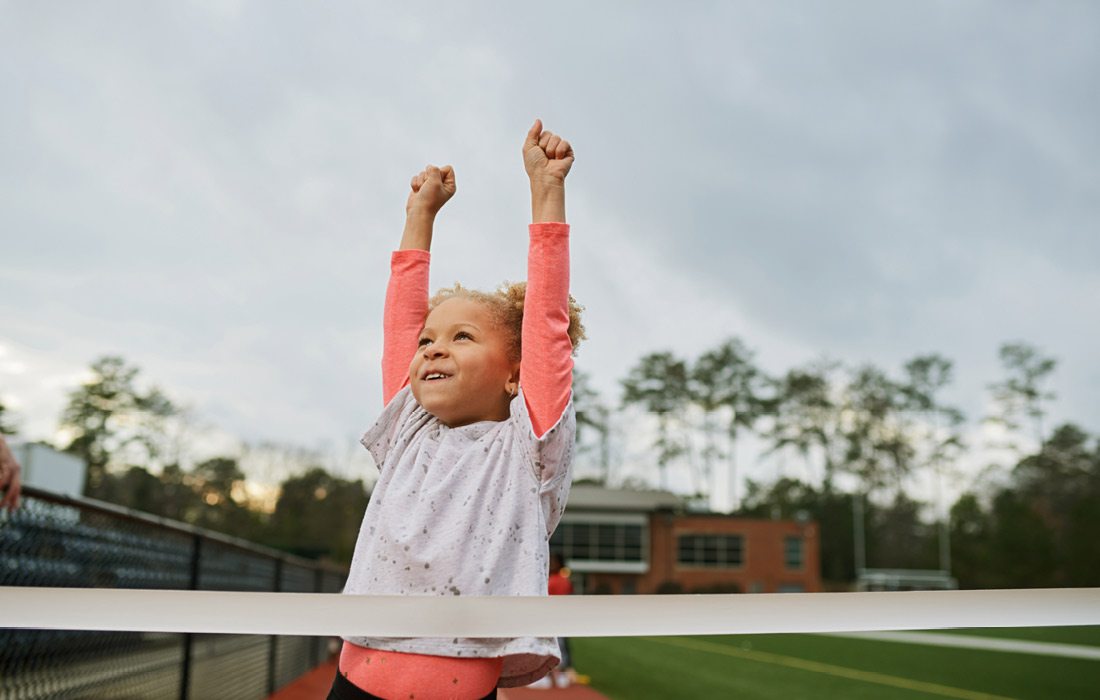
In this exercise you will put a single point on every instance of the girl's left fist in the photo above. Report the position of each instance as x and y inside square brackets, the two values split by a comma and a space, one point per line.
[546, 156]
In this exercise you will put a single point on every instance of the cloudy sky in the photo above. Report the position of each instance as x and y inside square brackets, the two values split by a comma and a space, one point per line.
[212, 189]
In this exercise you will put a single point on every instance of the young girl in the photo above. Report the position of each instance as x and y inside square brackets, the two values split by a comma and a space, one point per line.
[474, 447]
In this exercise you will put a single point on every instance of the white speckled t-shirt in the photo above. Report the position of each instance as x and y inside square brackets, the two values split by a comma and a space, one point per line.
[463, 511]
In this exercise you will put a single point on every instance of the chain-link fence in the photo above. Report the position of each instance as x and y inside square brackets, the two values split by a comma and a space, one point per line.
[75, 542]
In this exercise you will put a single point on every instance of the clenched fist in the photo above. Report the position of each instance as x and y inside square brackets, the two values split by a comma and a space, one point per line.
[546, 156]
[432, 187]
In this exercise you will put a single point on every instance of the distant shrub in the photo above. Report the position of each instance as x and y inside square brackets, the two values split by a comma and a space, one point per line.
[667, 587]
[719, 588]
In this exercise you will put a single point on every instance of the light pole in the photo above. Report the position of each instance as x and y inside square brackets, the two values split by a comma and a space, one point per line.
[859, 542]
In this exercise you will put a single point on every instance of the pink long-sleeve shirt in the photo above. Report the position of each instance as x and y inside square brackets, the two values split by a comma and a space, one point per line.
[469, 510]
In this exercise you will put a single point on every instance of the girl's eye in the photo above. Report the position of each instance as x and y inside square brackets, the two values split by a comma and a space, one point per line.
[463, 334]
[423, 342]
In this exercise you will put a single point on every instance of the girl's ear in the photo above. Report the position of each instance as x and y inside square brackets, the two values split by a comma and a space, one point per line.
[512, 385]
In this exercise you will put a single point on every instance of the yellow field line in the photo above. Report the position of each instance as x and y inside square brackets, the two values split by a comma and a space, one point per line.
[830, 669]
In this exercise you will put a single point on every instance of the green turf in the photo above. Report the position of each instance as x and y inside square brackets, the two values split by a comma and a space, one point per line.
[815, 666]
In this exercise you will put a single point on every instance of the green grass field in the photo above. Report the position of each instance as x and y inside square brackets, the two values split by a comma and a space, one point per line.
[820, 666]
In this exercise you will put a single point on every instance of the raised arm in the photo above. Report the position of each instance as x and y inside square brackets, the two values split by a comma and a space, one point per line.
[407, 292]
[546, 366]
[9, 478]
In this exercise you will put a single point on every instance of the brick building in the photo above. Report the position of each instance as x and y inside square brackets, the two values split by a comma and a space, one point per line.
[644, 541]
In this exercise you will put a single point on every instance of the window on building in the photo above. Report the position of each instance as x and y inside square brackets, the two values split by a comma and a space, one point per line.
[577, 540]
[710, 550]
[792, 552]
[608, 536]
[632, 543]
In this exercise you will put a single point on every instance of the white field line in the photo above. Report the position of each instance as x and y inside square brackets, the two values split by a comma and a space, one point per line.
[1073, 651]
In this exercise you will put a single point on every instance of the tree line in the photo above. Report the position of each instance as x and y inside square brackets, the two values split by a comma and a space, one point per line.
[132, 453]
[860, 425]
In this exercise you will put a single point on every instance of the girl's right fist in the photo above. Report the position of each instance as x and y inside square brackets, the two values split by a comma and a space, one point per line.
[432, 187]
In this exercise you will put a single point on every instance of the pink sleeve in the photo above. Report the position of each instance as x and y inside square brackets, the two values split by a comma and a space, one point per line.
[403, 318]
[546, 366]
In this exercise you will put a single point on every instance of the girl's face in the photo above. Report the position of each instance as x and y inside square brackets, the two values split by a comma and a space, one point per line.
[462, 372]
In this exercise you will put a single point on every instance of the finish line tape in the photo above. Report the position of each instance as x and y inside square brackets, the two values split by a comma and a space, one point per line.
[325, 614]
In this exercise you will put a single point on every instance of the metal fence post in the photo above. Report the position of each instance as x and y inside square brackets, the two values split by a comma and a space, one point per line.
[185, 672]
[315, 647]
[272, 647]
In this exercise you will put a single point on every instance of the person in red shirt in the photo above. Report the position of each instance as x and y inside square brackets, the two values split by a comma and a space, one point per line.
[559, 583]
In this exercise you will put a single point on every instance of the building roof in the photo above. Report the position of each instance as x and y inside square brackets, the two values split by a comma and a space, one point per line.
[587, 496]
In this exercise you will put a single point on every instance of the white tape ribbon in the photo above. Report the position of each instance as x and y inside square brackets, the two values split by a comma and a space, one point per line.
[554, 616]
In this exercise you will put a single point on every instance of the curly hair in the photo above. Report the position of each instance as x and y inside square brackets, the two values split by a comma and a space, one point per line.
[506, 306]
